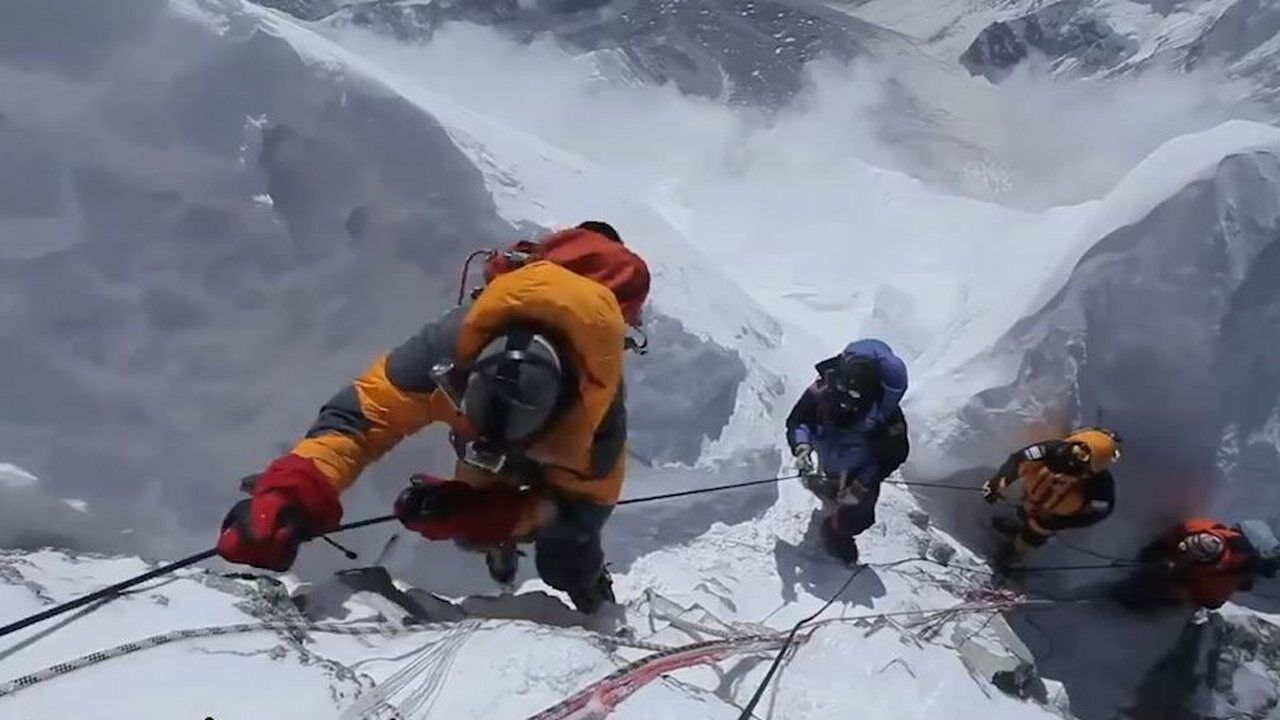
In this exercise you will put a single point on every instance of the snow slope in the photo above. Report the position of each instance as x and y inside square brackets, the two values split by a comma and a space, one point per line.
[495, 668]
[1161, 330]
[312, 677]
[1191, 257]
[198, 252]
[213, 214]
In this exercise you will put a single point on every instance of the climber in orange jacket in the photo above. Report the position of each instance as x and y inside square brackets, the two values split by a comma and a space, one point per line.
[1200, 562]
[529, 379]
[1066, 484]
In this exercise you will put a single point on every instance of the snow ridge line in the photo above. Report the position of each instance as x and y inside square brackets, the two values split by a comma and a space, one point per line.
[598, 699]
[84, 661]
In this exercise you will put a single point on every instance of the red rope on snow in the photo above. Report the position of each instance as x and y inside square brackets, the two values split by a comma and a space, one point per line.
[600, 698]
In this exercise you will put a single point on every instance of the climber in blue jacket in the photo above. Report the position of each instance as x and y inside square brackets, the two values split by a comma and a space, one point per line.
[850, 416]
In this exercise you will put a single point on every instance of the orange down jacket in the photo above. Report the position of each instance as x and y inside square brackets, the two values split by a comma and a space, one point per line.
[583, 454]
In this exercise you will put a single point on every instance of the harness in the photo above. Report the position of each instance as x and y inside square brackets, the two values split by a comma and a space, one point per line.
[1046, 490]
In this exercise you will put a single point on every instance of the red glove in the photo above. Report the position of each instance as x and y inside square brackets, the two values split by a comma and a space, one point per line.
[292, 502]
[450, 509]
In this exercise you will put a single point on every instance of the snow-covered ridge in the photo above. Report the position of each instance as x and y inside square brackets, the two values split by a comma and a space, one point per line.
[206, 246]
[1192, 260]
[1160, 331]
[256, 215]
[360, 652]
[1098, 37]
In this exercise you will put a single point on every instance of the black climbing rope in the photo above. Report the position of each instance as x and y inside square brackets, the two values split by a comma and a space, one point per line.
[749, 709]
[700, 491]
[117, 588]
[113, 590]
[944, 486]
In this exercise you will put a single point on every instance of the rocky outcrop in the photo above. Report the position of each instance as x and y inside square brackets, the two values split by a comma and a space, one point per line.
[1221, 667]
[1064, 32]
[196, 252]
[745, 51]
[1163, 331]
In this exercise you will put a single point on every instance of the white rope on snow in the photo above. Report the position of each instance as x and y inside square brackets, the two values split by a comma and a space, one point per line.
[84, 661]
[435, 658]
[420, 680]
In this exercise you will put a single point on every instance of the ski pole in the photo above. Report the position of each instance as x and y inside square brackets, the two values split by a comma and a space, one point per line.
[139, 579]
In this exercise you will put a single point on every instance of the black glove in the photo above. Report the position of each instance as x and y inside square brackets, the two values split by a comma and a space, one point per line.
[431, 498]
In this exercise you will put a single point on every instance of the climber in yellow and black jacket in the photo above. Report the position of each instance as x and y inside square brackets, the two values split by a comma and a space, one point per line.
[1066, 485]
[529, 379]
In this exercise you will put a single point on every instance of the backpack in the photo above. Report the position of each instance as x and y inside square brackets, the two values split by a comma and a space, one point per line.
[592, 250]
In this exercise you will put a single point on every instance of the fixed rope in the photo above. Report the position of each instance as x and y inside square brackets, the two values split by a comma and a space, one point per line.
[1069, 568]
[106, 592]
[943, 486]
[749, 709]
[169, 568]
[605, 694]
[682, 656]
[609, 691]
[715, 488]
[116, 589]
[413, 690]
[781, 478]
[1095, 553]
[100, 656]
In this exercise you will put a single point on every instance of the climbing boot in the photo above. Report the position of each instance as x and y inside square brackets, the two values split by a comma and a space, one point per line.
[840, 545]
[503, 562]
[591, 597]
